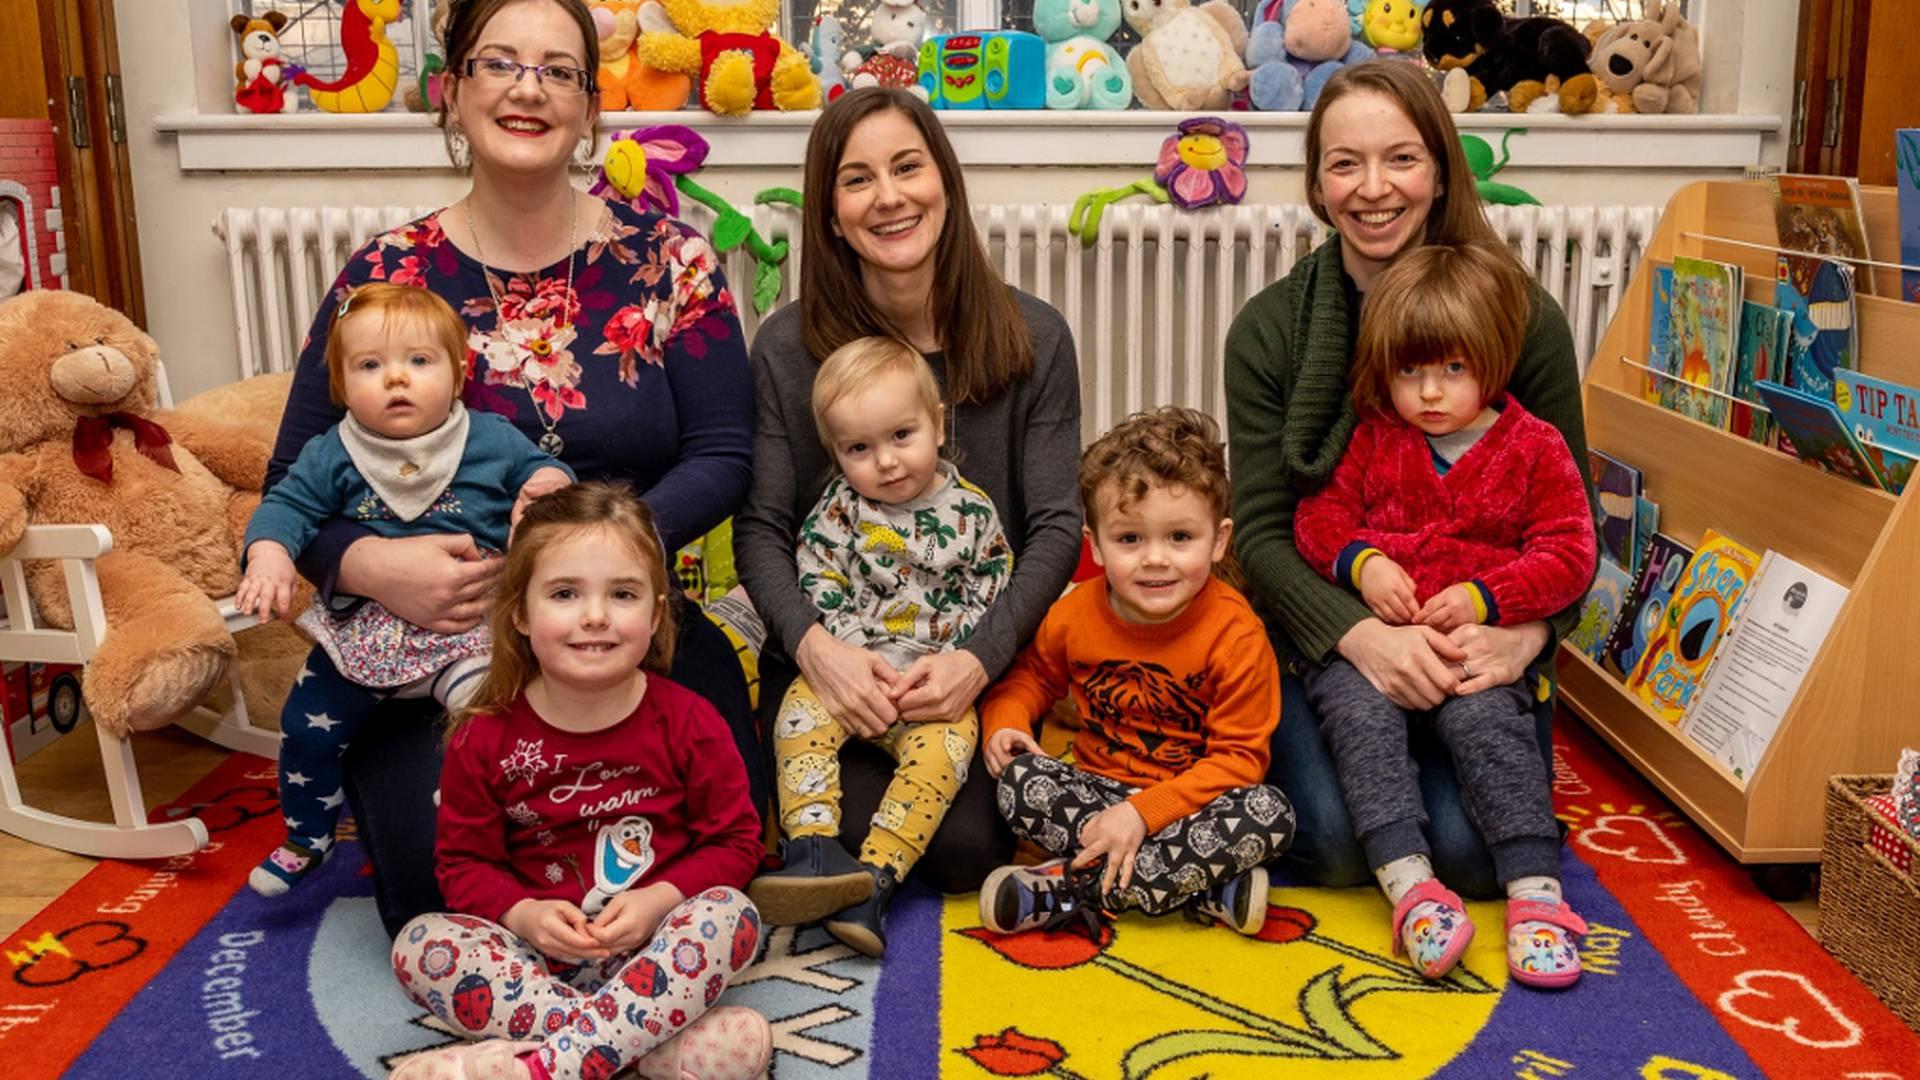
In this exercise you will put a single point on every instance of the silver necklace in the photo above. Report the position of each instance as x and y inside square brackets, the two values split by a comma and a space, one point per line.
[550, 441]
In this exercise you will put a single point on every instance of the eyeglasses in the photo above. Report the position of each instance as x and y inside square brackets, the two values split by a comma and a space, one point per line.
[498, 71]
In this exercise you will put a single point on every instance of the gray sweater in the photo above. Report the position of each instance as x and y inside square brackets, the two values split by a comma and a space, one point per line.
[1022, 448]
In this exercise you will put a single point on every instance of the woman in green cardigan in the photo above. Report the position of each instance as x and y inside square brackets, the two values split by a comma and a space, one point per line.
[1386, 172]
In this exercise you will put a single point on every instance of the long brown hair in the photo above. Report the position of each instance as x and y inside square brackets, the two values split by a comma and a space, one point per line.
[974, 312]
[551, 519]
[1439, 303]
[464, 25]
[1456, 216]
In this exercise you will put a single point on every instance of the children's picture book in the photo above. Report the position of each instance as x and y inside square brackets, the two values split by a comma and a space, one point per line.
[1646, 520]
[1819, 292]
[1619, 486]
[1764, 331]
[1885, 418]
[1706, 324]
[1754, 675]
[1646, 604]
[1660, 332]
[1906, 172]
[1819, 434]
[1600, 610]
[1821, 215]
[1711, 590]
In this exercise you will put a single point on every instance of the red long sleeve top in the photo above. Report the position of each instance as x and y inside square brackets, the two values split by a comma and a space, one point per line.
[527, 810]
[1511, 516]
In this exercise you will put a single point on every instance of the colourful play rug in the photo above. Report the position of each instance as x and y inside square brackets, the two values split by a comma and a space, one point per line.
[176, 971]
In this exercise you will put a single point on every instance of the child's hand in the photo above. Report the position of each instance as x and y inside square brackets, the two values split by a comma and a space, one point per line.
[556, 928]
[629, 919]
[1448, 609]
[1116, 834]
[543, 482]
[1387, 590]
[267, 590]
[1005, 745]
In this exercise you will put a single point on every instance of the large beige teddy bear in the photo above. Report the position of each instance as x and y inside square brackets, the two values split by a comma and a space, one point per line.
[1652, 63]
[1189, 58]
[81, 443]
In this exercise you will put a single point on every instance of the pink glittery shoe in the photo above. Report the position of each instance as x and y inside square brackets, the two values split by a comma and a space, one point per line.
[493, 1059]
[1540, 946]
[1430, 925]
[725, 1043]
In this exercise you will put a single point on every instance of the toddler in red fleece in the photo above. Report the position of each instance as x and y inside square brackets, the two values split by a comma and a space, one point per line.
[594, 832]
[1453, 505]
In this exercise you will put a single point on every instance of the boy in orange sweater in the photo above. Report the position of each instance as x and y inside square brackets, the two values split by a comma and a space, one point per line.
[1178, 691]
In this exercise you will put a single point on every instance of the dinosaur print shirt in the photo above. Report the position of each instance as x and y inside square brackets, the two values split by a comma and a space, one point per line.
[903, 579]
[1181, 710]
[528, 810]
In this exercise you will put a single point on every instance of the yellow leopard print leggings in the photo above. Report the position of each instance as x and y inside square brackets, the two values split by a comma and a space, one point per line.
[933, 759]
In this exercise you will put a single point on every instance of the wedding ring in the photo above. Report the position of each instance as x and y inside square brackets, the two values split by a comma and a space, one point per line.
[1465, 671]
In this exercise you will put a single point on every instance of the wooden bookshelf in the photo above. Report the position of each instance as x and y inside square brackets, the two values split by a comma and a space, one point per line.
[1858, 705]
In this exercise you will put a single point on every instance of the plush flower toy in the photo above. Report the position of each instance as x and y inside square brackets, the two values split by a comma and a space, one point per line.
[1203, 163]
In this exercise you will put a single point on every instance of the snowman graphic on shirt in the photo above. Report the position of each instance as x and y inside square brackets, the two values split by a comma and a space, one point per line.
[622, 852]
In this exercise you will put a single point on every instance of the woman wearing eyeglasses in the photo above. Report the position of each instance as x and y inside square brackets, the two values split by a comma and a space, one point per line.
[608, 336]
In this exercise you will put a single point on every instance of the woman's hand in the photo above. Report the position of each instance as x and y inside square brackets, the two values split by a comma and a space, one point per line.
[1416, 667]
[438, 582]
[939, 687]
[852, 683]
[1497, 655]
[1006, 744]
[556, 928]
[1115, 834]
[630, 918]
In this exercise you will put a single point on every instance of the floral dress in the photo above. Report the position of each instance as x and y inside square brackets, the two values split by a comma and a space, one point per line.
[630, 351]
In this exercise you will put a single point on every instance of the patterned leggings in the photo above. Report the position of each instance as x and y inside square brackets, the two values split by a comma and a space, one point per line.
[1049, 801]
[933, 761]
[595, 1018]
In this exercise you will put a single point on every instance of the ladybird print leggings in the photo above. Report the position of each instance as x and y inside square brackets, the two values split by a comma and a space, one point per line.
[595, 1018]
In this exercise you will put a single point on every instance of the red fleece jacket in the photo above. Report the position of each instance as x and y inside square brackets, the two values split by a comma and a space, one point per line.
[1511, 516]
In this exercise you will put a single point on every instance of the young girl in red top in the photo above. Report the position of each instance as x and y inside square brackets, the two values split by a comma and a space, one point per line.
[594, 830]
[1453, 505]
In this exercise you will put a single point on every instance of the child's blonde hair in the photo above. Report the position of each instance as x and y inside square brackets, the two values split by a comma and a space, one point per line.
[1170, 446]
[1439, 303]
[857, 364]
[397, 303]
[550, 519]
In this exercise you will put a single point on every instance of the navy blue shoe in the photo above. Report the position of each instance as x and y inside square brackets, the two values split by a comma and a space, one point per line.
[819, 878]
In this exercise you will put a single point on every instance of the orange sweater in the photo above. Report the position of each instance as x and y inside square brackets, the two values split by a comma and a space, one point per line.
[1182, 710]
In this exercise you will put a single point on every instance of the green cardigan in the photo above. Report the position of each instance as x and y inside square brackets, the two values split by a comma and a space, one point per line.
[1290, 415]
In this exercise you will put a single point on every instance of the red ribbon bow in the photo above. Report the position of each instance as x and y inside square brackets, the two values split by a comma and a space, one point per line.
[93, 443]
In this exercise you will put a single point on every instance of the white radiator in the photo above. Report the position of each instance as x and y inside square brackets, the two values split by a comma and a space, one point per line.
[1149, 303]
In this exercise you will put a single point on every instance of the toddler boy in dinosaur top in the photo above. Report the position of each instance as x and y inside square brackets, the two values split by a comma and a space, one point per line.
[1178, 691]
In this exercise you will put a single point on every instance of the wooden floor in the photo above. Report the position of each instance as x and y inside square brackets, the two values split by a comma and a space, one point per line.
[66, 778]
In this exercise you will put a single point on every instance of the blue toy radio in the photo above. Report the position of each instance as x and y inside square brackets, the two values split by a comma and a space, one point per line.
[984, 69]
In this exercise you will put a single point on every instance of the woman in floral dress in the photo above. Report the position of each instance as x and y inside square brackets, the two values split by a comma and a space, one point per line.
[607, 335]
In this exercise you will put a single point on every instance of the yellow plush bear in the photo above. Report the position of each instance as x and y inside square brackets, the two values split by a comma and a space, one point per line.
[726, 44]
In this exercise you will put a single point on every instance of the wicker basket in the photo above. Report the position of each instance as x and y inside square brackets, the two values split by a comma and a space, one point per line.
[1870, 911]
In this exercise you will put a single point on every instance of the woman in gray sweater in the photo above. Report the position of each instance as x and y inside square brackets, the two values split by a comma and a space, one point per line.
[889, 248]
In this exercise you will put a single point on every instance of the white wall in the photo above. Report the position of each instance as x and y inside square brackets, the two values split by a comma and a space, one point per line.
[175, 61]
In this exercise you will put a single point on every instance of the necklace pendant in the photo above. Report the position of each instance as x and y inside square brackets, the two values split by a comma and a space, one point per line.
[552, 443]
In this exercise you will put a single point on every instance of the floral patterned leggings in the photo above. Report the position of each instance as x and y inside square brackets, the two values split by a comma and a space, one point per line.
[595, 1018]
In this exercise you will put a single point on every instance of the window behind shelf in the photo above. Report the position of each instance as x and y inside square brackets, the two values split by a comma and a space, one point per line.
[311, 38]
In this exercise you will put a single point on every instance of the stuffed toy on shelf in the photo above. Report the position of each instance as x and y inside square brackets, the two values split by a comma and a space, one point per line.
[626, 81]
[1083, 70]
[373, 66]
[897, 28]
[1539, 63]
[1295, 47]
[1203, 163]
[82, 442]
[1391, 28]
[423, 93]
[728, 46]
[260, 77]
[1189, 58]
[828, 56]
[1651, 63]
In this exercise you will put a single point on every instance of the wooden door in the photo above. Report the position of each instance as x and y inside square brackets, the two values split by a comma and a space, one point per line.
[60, 61]
[1856, 79]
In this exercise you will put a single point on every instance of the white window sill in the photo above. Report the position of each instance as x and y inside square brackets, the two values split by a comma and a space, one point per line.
[321, 141]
